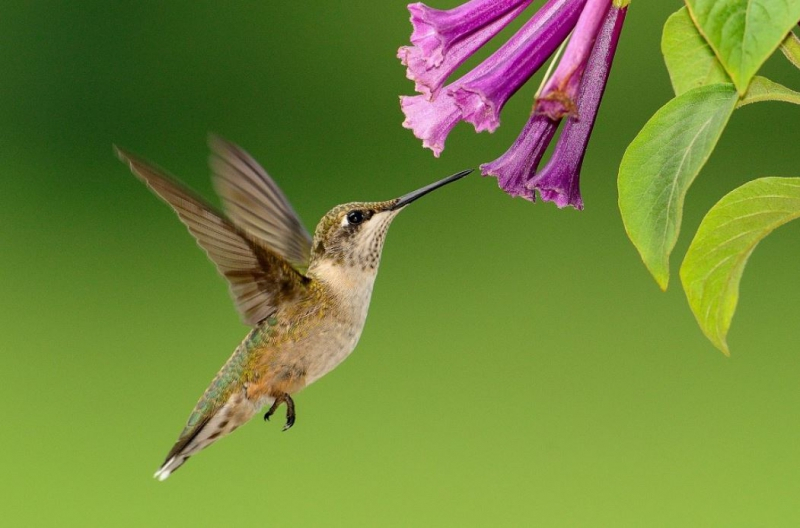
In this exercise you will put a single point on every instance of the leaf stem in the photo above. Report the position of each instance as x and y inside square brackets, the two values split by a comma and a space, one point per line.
[790, 47]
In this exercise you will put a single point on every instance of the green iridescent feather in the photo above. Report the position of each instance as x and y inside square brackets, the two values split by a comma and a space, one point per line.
[232, 375]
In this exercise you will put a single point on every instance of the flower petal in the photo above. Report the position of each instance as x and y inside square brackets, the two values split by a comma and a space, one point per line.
[559, 181]
[557, 98]
[431, 121]
[482, 93]
[515, 167]
[435, 30]
[428, 79]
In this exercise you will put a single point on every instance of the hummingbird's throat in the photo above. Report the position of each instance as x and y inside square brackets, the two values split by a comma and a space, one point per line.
[369, 242]
[355, 254]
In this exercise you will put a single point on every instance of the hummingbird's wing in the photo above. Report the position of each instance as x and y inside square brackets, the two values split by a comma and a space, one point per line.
[257, 275]
[256, 204]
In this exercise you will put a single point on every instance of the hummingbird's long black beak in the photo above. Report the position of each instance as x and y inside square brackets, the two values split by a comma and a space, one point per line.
[410, 197]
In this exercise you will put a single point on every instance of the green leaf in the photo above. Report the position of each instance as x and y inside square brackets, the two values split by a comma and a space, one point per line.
[690, 60]
[790, 47]
[762, 89]
[744, 33]
[727, 236]
[662, 162]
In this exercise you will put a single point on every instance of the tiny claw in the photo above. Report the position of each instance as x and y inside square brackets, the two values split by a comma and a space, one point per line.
[272, 409]
[289, 423]
[289, 413]
[283, 398]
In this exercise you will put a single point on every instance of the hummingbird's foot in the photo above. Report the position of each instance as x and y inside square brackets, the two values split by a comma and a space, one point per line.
[290, 415]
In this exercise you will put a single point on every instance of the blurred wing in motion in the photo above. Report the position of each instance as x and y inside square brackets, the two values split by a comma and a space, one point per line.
[256, 204]
[257, 275]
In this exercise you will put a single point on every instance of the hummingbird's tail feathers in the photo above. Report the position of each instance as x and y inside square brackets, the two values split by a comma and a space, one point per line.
[236, 411]
[187, 445]
[169, 466]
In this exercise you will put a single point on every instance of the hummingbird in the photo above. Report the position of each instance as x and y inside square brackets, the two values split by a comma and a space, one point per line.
[305, 298]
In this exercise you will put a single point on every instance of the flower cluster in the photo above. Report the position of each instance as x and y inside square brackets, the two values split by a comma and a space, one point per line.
[443, 40]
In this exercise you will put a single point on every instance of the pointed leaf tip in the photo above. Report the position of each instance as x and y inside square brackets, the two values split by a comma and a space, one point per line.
[662, 162]
[744, 33]
[690, 60]
[726, 238]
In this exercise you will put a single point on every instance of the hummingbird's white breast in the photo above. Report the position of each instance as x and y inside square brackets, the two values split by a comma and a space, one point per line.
[351, 291]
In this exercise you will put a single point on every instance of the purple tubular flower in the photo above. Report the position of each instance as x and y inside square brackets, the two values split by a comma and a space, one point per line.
[431, 121]
[435, 31]
[514, 168]
[482, 93]
[493, 81]
[557, 98]
[559, 180]
[421, 64]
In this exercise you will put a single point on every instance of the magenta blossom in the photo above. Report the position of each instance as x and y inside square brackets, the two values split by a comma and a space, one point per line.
[558, 181]
[479, 96]
[431, 121]
[514, 168]
[445, 39]
[557, 97]
[482, 93]
[435, 31]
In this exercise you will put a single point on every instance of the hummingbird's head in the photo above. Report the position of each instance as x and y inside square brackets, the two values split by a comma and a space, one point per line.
[352, 235]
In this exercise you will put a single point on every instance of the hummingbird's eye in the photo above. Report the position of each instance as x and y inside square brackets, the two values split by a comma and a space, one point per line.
[355, 217]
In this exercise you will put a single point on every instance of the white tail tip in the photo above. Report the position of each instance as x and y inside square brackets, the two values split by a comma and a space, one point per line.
[165, 470]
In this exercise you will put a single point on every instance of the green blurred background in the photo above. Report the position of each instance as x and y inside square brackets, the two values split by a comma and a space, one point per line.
[519, 366]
